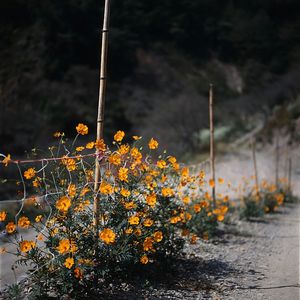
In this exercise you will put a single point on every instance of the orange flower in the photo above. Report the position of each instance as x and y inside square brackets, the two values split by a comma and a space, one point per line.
[79, 149]
[193, 239]
[148, 222]
[136, 154]
[148, 244]
[144, 260]
[6, 160]
[115, 159]
[26, 246]
[69, 262]
[167, 192]
[220, 180]
[63, 246]
[134, 220]
[107, 236]
[151, 199]
[30, 173]
[136, 138]
[172, 159]
[24, 222]
[123, 149]
[63, 204]
[186, 200]
[70, 163]
[78, 273]
[197, 208]
[118, 137]
[72, 190]
[123, 174]
[82, 129]
[158, 236]
[211, 183]
[129, 205]
[161, 164]
[2, 216]
[125, 193]
[58, 134]
[106, 188]
[90, 145]
[100, 145]
[153, 144]
[10, 227]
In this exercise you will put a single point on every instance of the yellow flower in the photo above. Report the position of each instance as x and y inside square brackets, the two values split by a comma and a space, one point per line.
[134, 220]
[63, 204]
[58, 134]
[90, 145]
[186, 200]
[279, 198]
[40, 237]
[2, 216]
[2, 250]
[84, 191]
[26, 246]
[106, 188]
[129, 230]
[148, 244]
[167, 192]
[118, 137]
[100, 145]
[175, 220]
[123, 174]
[172, 159]
[158, 236]
[115, 159]
[125, 193]
[30, 173]
[36, 182]
[148, 223]
[72, 190]
[10, 227]
[38, 218]
[24, 222]
[211, 183]
[161, 164]
[69, 262]
[197, 208]
[107, 236]
[129, 205]
[79, 149]
[82, 129]
[123, 149]
[136, 154]
[185, 172]
[78, 273]
[220, 180]
[63, 246]
[153, 144]
[136, 138]
[70, 163]
[151, 199]
[220, 218]
[144, 260]
[6, 160]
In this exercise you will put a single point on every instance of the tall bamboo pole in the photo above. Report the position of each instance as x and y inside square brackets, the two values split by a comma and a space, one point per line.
[212, 143]
[255, 167]
[277, 159]
[101, 102]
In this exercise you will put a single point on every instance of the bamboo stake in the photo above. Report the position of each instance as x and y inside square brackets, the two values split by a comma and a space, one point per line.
[290, 175]
[277, 159]
[101, 102]
[255, 167]
[212, 146]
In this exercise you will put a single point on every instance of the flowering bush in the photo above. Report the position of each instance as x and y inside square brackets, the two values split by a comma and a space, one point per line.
[143, 205]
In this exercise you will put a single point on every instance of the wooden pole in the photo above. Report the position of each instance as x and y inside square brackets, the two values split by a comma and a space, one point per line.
[212, 143]
[255, 167]
[290, 175]
[101, 102]
[277, 160]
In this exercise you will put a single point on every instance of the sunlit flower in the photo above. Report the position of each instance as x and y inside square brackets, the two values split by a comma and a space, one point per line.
[69, 262]
[78, 273]
[124, 149]
[153, 144]
[129, 205]
[158, 236]
[148, 222]
[118, 137]
[125, 193]
[211, 183]
[136, 138]
[151, 199]
[79, 149]
[129, 230]
[100, 145]
[40, 237]
[72, 190]
[63, 246]
[70, 163]
[26, 246]
[148, 244]
[186, 200]
[63, 204]
[161, 164]
[6, 160]
[115, 159]
[144, 260]
[134, 220]
[2, 250]
[220, 180]
[90, 145]
[167, 192]
[2, 216]
[175, 220]
[82, 129]
[24, 222]
[107, 236]
[36, 182]
[172, 159]
[123, 174]
[197, 208]
[30, 173]
[58, 134]
[136, 154]
[10, 227]
[106, 188]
